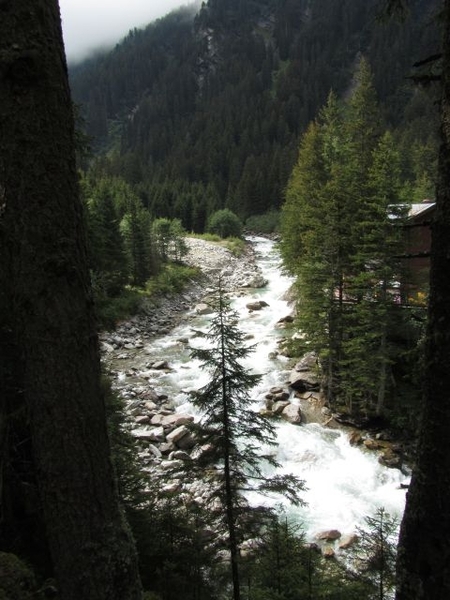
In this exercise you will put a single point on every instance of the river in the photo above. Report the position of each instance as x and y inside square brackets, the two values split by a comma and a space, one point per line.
[344, 483]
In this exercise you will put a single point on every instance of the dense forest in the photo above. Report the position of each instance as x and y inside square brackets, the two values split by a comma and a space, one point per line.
[304, 113]
[199, 112]
[210, 114]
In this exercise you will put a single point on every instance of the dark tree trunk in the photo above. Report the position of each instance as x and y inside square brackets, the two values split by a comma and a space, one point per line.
[46, 296]
[424, 548]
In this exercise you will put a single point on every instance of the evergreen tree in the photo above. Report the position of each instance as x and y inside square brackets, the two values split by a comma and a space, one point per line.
[106, 251]
[168, 239]
[314, 226]
[136, 227]
[376, 553]
[373, 283]
[234, 431]
[342, 239]
[282, 566]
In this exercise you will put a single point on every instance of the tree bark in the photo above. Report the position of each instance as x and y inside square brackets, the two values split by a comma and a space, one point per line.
[423, 569]
[46, 296]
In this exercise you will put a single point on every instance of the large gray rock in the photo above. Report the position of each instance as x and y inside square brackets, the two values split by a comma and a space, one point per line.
[330, 535]
[156, 434]
[308, 362]
[254, 281]
[303, 381]
[182, 438]
[292, 414]
[172, 420]
[256, 305]
[203, 309]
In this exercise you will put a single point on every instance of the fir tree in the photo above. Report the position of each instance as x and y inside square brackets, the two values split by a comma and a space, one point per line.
[107, 255]
[135, 227]
[376, 553]
[234, 431]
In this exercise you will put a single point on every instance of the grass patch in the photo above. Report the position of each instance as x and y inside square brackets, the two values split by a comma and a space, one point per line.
[112, 310]
[171, 280]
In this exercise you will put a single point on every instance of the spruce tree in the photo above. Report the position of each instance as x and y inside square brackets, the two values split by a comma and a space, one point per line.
[136, 227]
[373, 282]
[236, 434]
[376, 553]
[314, 244]
[106, 251]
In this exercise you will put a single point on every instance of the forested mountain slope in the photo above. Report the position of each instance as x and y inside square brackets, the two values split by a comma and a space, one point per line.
[204, 109]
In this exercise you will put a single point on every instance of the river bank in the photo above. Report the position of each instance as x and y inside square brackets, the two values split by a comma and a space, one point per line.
[149, 362]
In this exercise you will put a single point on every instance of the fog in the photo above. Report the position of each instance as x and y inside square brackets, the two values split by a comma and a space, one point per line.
[90, 25]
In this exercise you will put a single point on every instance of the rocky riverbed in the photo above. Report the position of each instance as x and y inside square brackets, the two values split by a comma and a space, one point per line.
[162, 431]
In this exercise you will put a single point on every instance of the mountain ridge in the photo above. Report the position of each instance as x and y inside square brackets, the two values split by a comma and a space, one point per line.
[202, 110]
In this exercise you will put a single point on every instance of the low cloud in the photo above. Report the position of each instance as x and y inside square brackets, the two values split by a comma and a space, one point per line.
[90, 25]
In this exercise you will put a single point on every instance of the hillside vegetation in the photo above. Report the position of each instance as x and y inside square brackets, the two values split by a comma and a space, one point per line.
[204, 110]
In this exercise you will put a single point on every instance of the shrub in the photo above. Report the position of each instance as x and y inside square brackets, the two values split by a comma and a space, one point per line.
[266, 223]
[225, 223]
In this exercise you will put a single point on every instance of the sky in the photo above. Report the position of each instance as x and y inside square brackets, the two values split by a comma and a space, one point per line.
[92, 24]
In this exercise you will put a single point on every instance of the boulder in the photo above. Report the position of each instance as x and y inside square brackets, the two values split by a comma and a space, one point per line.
[292, 414]
[152, 435]
[172, 420]
[160, 365]
[175, 436]
[179, 455]
[287, 319]
[141, 419]
[256, 305]
[328, 552]
[355, 438]
[155, 451]
[182, 438]
[371, 444]
[307, 363]
[388, 458]
[303, 381]
[281, 396]
[203, 309]
[347, 541]
[329, 535]
[275, 390]
[106, 347]
[278, 407]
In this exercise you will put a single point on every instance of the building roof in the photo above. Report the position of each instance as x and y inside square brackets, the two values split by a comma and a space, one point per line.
[421, 208]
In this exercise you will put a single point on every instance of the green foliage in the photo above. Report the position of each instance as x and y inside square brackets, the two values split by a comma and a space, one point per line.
[225, 223]
[136, 230]
[376, 553]
[168, 239]
[266, 223]
[169, 536]
[228, 136]
[284, 567]
[17, 581]
[107, 254]
[341, 239]
[235, 433]
[281, 566]
[110, 311]
[172, 279]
